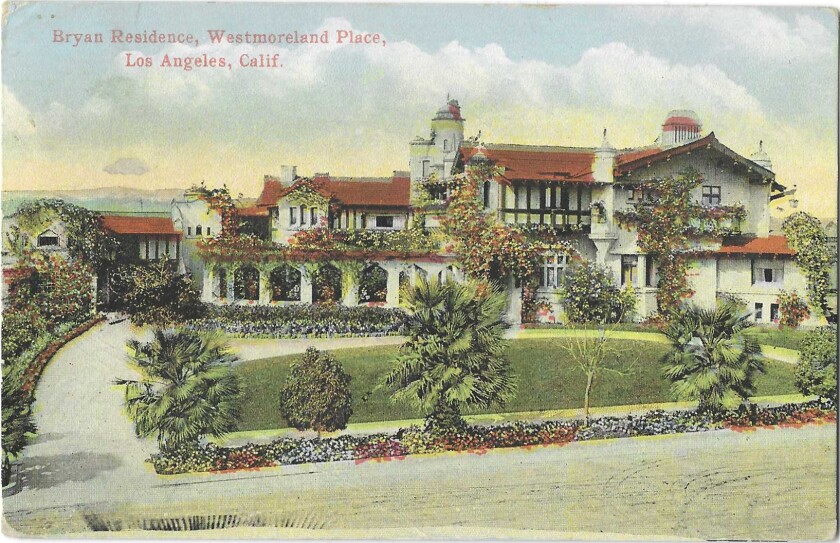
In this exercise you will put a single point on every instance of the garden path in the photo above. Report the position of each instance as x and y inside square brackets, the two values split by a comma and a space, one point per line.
[85, 448]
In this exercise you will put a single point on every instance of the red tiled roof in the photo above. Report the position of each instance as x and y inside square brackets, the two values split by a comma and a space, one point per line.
[272, 190]
[771, 245]
[366, 191]
[635, 154]
[121, 224]
[255, 211]
[526, 162]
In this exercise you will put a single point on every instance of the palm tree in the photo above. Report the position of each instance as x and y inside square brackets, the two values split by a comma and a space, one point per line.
[712, 360]
[187, 390]
[454, 357]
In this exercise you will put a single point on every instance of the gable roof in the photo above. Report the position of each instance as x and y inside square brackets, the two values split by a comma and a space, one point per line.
[536, 162]
[771, 245]
[640, 158]
[272, 190]
[122, 224]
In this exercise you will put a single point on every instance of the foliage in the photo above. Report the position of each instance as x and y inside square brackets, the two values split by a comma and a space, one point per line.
[595, 356]
[159, 295]
[792, 308]
[816, 371]
[479, 439]
[711, 359]
[187, 390]
[454, 355]
[22, 324]
[488, 250]
[590, 296]
[50, 290]
[316, 394]
[293, 321]
[669, 226]
[17, 421]
[373, 285]
[87, 239]
[814, 256]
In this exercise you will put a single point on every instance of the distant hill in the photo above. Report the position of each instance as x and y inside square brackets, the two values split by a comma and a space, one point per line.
[117, 199]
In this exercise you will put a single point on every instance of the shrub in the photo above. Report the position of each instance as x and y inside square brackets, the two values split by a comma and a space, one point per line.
[21, 327]
[300, 320]
[160, 296]
[792, 308]
[316, 394]
[590, 296]
[816, 372]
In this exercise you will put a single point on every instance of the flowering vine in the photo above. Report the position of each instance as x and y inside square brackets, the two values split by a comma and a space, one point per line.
[220, 200]
[669, 227]
[814, 256]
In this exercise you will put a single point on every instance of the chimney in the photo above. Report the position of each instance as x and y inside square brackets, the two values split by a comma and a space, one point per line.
[288, 174]
[602, 169]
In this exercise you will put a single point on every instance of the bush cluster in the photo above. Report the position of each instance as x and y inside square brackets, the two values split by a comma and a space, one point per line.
[816, 372]
[300, 321]
[590, 296]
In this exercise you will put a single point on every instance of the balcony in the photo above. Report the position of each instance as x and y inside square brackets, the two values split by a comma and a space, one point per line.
[563, 220]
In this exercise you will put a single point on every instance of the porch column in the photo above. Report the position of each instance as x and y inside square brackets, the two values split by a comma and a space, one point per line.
[207, 285]
[513, 315]
[231, 279]
[305, 286]
[392, 296]
[265, 288]
[351, 297]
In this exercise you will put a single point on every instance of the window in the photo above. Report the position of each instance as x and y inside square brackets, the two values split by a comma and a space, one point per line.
[759, 311]
[302, 215]
[629, 263]
[445, 146]
[189, 230]
[767, 272]
[425, 168]
[711, 195]
[486, 194]
[631, 194]
[198, 230]
[313, 216]
[48, 239]
[774, 313]
[208, 230]
[384, 221]
[651, 278]
[553, 270]
[293, 216]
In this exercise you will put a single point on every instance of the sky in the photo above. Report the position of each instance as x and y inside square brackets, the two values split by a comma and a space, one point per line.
[80, 117]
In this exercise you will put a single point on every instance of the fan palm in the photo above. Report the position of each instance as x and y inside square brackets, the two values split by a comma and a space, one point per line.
[454, 357]
[187, 391]
[712, 360]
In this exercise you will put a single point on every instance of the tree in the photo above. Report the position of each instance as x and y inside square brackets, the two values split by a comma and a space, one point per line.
[595, 356]
[814, 256]
[816, 372]
[187, 390]
[711, 359]
[17, 422]
[590, 296]
[454, 356]
[160, 296]
[316, 394]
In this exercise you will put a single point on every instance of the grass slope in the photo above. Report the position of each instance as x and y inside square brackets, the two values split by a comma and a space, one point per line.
[545, 381]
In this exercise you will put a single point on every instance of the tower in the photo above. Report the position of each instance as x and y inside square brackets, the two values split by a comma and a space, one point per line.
[681, 126]
[437, 154]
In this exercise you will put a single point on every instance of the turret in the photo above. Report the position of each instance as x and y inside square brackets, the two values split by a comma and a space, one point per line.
[762, 158]
[681, 126]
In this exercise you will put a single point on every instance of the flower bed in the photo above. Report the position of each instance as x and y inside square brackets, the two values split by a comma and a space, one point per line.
[479, 439]
[300, 321]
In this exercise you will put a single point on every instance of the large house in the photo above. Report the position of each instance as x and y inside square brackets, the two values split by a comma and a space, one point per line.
[573, 191]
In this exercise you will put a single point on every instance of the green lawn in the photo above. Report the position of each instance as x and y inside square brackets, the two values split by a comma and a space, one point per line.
[778, 337]
[545, 381]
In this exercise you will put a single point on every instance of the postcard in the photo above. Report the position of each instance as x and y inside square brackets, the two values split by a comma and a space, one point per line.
[419, 271]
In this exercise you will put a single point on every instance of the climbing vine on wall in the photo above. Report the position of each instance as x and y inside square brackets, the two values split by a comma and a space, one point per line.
[488, 249]
[814, 256]
[669, 227]
[220, 200]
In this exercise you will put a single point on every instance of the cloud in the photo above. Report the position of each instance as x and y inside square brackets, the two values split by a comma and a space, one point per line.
[126, 166]
[18, 121]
